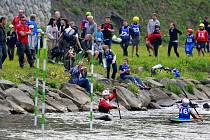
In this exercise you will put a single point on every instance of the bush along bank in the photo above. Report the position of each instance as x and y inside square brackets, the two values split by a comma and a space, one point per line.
[19, 99]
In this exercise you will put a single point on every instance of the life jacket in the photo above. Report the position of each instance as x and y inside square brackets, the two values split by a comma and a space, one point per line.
[184, 113]
[125, 33]
[136, 29]
[84, 24]
[103, 109]
[202, 36]
[109, 57]
[190, 39]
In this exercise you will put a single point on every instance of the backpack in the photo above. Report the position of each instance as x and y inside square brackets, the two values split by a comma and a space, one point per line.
[69, 34]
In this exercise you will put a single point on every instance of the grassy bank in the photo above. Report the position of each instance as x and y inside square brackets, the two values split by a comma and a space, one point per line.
[191, 67]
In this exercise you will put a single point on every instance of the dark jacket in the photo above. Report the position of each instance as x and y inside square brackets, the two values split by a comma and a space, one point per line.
[2, 36]
[173, 33]
[11, 38]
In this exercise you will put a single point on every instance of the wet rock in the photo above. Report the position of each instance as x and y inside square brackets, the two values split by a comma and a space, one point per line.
[5, 84]
[172, 95]
[144, 97]
[15, 109]
[4, 110]
[2, 94]
[157, 94]
[200, 95]
[205, 89]
[153, 83]
[153, 105]
[206, 106]
[133, 101]
[28, 89]
[205, 81]
[166, 102]
[20, 98]
[76, 92]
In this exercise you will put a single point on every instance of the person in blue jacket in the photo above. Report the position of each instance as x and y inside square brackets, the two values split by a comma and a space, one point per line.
[110, 60]
[135, 35]
[190, 42]
[125, 74]
[185, 112]
[125, 34]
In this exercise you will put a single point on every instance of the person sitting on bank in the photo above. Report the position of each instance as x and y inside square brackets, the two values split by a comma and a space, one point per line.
[125, 74]
[185, 112]
[104, 105]
[79, 76]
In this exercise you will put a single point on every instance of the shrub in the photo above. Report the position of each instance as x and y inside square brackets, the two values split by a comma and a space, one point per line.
[189, 88]
[173, 88]
[97, 86]
[133, 88]
[75, 10]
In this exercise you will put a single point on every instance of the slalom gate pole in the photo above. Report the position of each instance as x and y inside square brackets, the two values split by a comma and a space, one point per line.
[91, 84]
[43, 85]
[37, 82]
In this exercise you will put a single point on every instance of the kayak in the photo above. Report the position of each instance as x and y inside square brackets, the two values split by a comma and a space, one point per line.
[106, 117]
[178, 120]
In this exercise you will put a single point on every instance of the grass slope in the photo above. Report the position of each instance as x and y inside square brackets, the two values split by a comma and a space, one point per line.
[191, 67]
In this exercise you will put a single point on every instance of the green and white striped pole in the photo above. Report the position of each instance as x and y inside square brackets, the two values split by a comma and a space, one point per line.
[43, 85]
[91, 86]
[37, 82]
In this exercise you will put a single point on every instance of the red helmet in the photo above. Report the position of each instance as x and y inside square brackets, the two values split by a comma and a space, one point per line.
[190, 31]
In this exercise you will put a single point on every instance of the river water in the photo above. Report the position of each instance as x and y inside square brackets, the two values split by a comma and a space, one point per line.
[138, 125]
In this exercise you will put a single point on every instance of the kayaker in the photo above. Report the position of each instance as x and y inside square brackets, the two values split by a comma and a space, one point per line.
[104, 105]
[185, 112]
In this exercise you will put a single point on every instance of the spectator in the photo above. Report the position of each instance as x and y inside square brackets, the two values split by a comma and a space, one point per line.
[155, 39]
[52, 36]
[110, 60]
[201, 38]
[99, 48]
[107, 30]
[79, 76]
[58, 20]
[11, 41]
[152, 22]
[125, 34]
[64, 24]
[92, 27]
[32, 39]
[173, 33]
[84, 24]
[87, 46]
[206, 22]
[32, 21]
[125, 74]
[99, 34]
[22, 32]
[16, 19]
[135, 35]
[3, 52]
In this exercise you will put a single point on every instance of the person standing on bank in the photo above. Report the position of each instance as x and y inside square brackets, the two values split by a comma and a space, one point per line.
[152, 22]
[125, 34]
[107, 30]
[3, 52]
[136, 34]
[173, 33]
[11, 41]
[22, 32]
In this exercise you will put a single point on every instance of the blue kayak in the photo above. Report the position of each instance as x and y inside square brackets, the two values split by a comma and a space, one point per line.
[179, 120]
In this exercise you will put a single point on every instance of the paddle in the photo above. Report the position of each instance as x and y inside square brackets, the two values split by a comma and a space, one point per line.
[190, 102]
[115, 91]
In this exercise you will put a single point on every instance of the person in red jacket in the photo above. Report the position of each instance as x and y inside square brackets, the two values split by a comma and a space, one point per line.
[201, 38]
[16, 19]
[104, 105]
[154, 40]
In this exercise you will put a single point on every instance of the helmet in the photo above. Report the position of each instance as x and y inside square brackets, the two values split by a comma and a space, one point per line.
[11, 26]
[105, 93]
[185, 102]
[88, 14]
[190, 31]
[135, 19]
[201, 25]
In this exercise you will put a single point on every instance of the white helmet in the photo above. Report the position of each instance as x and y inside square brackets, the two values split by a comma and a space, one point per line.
[105, 93]
[185, 102]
